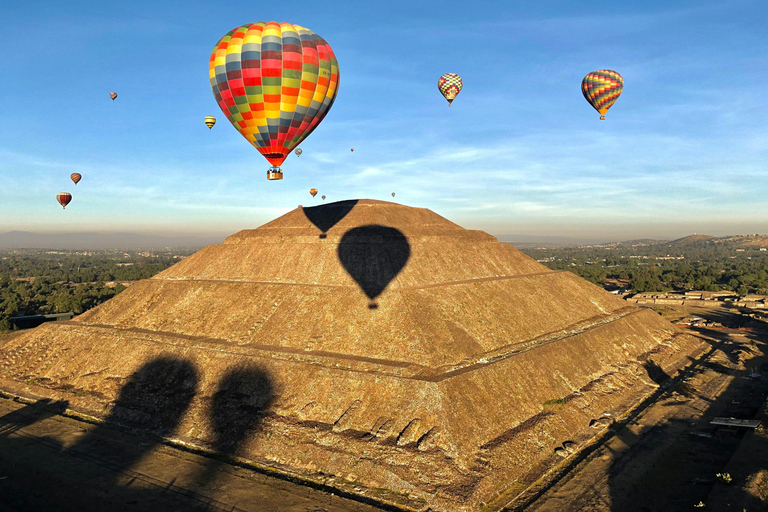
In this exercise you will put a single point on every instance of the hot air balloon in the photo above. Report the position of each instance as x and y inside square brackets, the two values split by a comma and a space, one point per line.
[275, 82]
[352, 149]
[210, 121]
[113, 95]
[323, 198]
[64, 198]
[601, 89]
[313, 191]
[393, 194]
[76, 177]
[450, 85]
[298, 151]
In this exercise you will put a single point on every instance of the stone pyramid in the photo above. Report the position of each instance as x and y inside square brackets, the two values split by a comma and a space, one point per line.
[372, 347]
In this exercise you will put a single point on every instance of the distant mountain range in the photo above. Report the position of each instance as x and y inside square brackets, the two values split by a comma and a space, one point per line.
[100, 241]
[547, 240]
[735, 241]
[688, 241]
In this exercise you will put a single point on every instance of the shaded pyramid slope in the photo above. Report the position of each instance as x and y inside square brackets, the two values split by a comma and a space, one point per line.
[374, 347]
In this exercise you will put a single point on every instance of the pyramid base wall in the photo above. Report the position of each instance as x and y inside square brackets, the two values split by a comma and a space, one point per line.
[413, 442]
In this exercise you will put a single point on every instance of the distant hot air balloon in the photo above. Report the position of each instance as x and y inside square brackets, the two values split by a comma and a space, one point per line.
[450, 85]
[393, 194]
[210, 121]
[352, 149]
[323, 198]
[298, 151]
[113, 95]
[275, 82]
[313, 191]
[64, 198]
[601, 89]
[76, 177]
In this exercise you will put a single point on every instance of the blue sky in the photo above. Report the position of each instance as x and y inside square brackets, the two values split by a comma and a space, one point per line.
[684, 150]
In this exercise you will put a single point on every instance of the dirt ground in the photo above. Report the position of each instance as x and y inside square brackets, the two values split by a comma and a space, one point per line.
[52, 462]
[666, 456]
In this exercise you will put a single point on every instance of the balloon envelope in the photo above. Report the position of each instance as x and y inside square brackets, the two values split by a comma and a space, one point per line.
[601, 89]
[313, 191]
[298, 151]
[76, 177]
[275, 82]
[323, 198]
[210, 121]
[393, 194]
[113, 95]
[64, 198]
[450, 85]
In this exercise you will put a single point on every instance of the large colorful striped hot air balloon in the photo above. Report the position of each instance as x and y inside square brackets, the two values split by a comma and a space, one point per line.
[602, 88]
[76, 177]
[450, 85]
[64, 198]
[275, 82]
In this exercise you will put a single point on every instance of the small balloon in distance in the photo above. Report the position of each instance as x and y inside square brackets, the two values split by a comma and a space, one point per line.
[76, 177]
[210, 121]
[450, 85]
[64, 198]
[601, 89]
[113, 95]
[313, 191]
[323, 198]
[393, 194]
[298, 151]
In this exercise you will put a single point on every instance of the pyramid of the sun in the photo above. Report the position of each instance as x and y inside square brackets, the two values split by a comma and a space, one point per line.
[398, 356]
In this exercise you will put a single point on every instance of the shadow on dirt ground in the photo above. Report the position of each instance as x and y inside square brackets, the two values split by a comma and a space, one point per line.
[673, 463]
[237, 410]
[55, 463]
[666, 455]
[32, 413]
[86, 475]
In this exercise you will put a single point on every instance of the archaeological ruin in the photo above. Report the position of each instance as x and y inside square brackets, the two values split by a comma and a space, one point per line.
[367, 346]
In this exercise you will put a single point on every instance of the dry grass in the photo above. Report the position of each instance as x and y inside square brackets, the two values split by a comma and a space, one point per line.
[6, 336]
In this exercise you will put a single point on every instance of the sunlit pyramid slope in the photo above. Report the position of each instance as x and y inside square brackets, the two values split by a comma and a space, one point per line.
[370, 346]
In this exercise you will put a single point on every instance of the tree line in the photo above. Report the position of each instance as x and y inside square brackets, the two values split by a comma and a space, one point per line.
[712, 268]
[37, 282]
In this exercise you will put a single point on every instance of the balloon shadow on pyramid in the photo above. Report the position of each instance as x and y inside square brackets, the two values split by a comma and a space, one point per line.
[374, 255]
[155, 398]
[325, 216]
[237, 410]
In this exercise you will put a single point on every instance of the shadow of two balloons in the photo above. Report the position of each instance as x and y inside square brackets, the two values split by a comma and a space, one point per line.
[373, 255]
[157, 396]
[148, 408]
